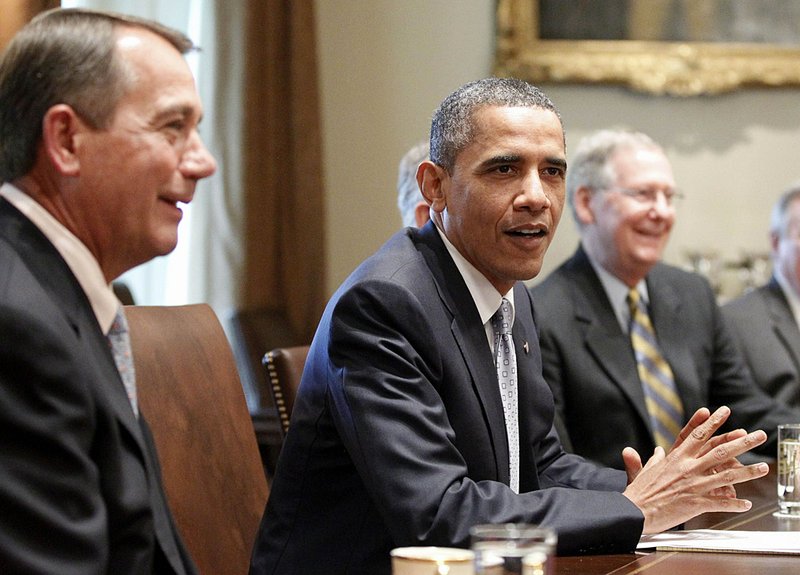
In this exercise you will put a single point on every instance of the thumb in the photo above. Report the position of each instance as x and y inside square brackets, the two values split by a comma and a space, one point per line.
[633, 463]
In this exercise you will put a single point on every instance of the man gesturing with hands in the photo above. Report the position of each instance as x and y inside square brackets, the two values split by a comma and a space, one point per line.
[698, 473]
[407, 431]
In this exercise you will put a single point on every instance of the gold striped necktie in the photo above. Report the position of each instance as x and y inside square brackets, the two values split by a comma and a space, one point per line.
[663, 403]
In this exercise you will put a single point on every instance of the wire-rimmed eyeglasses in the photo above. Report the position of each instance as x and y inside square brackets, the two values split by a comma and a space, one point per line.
[649, 197]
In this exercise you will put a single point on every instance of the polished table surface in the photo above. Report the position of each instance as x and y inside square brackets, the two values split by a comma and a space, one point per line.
[763, 494]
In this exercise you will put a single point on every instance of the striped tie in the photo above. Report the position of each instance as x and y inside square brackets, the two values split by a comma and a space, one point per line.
[661, 396]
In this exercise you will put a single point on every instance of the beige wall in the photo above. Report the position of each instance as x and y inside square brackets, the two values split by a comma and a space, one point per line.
[385, 65]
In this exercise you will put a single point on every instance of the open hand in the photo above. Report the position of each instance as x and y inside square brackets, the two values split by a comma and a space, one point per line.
[697, 475]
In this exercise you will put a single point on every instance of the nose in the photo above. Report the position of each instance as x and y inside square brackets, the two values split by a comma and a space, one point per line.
[661, 205]
[533, 196]
[197, 162]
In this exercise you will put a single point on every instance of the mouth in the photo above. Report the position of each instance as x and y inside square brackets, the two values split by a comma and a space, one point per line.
[529, 232]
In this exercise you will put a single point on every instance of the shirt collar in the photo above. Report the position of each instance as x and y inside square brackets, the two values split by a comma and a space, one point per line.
[77, 256]
[487, 299]
[617, 293]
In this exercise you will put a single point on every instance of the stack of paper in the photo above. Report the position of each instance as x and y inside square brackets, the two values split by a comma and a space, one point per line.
[716, 541]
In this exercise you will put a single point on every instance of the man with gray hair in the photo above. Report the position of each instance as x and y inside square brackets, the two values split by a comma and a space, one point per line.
[413, 208]
[631, 347]
[764, 321]
[422, 410]
[99, 149]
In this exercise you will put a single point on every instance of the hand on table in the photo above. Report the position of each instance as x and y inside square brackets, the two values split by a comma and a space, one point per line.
[697, 475]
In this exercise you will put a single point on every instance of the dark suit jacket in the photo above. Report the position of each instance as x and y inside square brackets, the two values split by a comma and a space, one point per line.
[764, 329]
[397, 436]
[80, 488]
[589, 363]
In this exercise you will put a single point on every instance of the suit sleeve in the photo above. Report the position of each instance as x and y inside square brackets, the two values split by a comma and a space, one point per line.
[52, 515]
[387, 362]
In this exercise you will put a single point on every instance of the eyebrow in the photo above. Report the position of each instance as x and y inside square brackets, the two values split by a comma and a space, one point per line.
[500, 160]
[515, 159]
[184, 110]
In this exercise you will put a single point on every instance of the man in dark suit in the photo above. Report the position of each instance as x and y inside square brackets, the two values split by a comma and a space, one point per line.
[98, 145]
[622, 194]
[401, 434]
[764, 322]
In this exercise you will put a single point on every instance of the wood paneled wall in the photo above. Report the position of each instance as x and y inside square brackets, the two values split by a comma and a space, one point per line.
[16, 14]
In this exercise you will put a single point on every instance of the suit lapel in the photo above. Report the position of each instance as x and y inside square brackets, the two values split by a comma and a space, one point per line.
[470, 337]
[604, 339]
[782, 320]
[665, 305]
[52, 272]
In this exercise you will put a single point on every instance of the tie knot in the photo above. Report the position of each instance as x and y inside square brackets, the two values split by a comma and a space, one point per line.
[120, 324]
[501, 320]
[633, 301]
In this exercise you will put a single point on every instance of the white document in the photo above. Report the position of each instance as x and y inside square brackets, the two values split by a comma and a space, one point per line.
[717, 541]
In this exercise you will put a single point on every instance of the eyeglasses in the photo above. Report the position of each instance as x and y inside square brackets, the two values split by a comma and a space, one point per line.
[647, 197]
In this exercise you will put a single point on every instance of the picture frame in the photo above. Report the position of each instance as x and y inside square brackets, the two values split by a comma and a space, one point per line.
[677, 68]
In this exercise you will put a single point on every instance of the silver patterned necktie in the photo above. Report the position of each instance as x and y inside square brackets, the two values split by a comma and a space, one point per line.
[120, 342]
[506, 364]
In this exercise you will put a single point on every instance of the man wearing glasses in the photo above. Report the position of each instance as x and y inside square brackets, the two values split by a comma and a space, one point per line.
[631, 347]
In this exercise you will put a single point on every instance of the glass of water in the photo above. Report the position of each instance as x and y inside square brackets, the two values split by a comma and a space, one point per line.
[789, 470]
[513, 549]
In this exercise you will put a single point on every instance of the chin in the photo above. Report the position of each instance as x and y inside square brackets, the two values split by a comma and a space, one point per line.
[165, 246]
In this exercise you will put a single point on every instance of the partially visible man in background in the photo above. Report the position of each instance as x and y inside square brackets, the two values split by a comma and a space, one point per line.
[632, 347]
[764, 322]
[413, 208]
[98, 149]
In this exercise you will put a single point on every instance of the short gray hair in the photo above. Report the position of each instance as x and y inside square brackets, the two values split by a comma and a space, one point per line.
[408, 194]
[63, 56]
[779, 222]
[591, 166]
[452, 126]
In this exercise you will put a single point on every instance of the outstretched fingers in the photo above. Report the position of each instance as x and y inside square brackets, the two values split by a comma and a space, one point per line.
[722, 470]
[698, 432]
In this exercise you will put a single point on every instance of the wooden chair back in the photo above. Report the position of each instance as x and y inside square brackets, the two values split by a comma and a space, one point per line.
[284, 367]
[190, 393]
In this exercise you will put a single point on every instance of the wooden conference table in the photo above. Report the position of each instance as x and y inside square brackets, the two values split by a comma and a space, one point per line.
[762, 492]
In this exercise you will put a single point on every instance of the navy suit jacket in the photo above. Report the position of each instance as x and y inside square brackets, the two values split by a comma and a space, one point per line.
[589, 363]
[80, 488]
[397, 436]
[765, 331]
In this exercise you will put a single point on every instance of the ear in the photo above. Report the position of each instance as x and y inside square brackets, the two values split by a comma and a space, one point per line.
[60, 127]
[422, 213]
[583, 205]
[774, 241]
[430, 179]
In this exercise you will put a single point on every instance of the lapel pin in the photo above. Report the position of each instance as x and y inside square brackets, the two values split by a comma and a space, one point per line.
[525, 347]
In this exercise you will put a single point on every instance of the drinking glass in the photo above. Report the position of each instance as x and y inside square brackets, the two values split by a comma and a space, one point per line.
[513, 549]
[789, 470]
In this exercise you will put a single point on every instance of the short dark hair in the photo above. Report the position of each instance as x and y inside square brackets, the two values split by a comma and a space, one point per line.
[452, 125]
[63, 56]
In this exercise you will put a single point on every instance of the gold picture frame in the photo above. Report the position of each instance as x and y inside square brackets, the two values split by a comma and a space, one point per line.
[653, 67]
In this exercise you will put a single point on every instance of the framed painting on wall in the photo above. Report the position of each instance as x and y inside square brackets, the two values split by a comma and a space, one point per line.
[676, 47]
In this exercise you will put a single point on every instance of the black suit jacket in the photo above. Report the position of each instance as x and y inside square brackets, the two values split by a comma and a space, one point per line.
[765, 331]
[398, 438]
[80, 488]
[590, 366]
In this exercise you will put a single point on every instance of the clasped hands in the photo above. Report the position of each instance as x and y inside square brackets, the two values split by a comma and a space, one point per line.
[696, 476]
